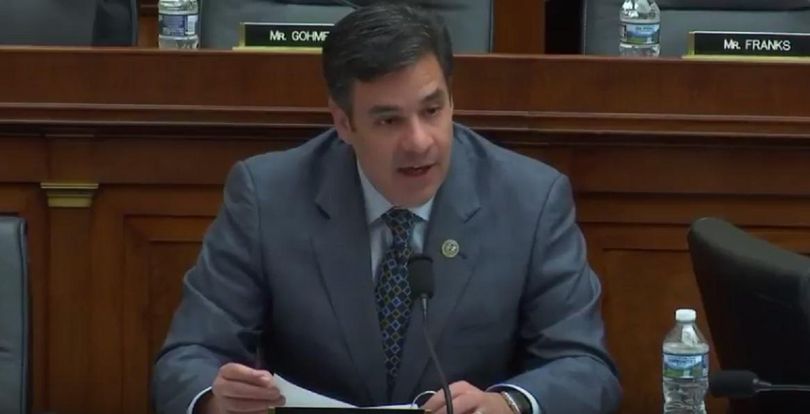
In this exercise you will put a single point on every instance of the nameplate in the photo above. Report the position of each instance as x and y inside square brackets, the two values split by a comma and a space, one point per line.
[283, 36]
[749, 44]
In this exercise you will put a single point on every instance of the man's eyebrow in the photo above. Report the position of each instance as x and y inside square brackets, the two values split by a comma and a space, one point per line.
[379, 110]
[382, 110]
[437, 95]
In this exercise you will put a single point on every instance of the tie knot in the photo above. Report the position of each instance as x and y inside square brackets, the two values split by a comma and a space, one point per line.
[400, 221]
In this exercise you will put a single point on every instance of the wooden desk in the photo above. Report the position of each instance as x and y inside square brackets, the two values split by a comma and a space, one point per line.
[650, 145]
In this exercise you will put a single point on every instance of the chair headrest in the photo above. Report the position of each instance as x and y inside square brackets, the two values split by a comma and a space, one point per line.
[726, 251]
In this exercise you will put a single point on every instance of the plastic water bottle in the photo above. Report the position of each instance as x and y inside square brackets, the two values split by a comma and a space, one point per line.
[177, 24]
[686, 366]
[640, 28]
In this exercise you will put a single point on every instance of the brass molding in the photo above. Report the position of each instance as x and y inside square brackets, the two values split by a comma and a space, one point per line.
[69, 195]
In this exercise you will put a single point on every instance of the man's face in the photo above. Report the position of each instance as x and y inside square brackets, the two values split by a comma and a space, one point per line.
[401, 129]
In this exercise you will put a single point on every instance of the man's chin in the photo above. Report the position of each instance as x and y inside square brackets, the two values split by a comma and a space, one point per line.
[416, 199]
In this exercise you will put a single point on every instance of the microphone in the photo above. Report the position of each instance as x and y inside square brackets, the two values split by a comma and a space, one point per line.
[420, 277]
[745, 384]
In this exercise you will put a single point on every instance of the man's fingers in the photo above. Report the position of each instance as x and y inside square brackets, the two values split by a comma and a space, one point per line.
[243, 390]
[462, 404]
[466, 403]
[242, 373]
[240, 405]
[435, 402]
[466, 399]
[461, 387]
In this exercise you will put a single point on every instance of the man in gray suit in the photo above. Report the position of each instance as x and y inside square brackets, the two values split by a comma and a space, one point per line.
[303, 274]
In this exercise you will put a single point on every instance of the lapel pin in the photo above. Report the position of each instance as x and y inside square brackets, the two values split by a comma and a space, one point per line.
[450, 248]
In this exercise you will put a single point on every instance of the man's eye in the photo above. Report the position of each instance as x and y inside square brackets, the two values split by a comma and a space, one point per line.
[387, 121]
[433, 110]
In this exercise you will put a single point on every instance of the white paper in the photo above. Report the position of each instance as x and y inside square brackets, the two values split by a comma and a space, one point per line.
[397, 407]
[301, 397]
[296, 396]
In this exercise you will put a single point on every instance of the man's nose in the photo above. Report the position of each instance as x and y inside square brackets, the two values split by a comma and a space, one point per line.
[417, 139]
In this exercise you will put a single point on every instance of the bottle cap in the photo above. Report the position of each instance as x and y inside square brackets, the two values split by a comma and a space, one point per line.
[685, 315]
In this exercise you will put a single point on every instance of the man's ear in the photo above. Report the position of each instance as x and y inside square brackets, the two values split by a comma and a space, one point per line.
[340, 118]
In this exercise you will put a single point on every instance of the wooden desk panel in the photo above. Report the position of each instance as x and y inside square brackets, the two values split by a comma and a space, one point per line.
[159, 138]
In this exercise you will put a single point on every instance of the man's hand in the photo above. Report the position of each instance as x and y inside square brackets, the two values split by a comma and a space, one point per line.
[468, 399]
[239, 389]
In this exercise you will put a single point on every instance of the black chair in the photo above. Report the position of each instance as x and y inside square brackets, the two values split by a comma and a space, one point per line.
[68, 23]
[116, 23]
[14, 315]
[757, 301]
[468, 21]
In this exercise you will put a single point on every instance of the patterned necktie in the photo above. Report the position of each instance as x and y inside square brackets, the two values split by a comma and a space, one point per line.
[393, 292]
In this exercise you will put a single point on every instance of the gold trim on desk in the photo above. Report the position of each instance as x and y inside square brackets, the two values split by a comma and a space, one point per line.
[690, 50]
[751, 59]
[283, 49]
[69, 195]
[241, 35]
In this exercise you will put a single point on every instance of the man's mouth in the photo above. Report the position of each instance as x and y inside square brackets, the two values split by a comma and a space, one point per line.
[415, 171]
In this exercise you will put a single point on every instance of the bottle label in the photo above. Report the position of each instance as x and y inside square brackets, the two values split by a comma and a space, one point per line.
[679, 366]
[177, 25]
[639, 34]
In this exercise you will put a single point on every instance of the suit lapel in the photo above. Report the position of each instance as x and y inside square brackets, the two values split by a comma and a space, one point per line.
[343, 253]
[454, 206]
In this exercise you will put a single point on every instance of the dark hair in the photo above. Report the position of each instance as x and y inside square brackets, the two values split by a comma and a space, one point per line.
[378, 39]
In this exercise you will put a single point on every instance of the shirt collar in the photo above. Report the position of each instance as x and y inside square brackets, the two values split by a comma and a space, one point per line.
[377, 205]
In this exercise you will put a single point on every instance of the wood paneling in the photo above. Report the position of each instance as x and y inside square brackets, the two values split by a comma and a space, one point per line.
[519, 26]
[643, 261]
[71, 298]
[22, 158]
[147, 31]
[147, 23]
[251, 94]
[161, 233]
[159, 139]
[631, 260]
[148, 7]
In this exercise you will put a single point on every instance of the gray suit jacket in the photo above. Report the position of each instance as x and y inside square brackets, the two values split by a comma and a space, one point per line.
[285, 273]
